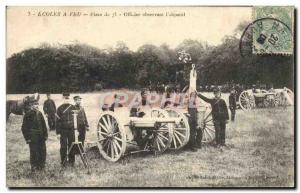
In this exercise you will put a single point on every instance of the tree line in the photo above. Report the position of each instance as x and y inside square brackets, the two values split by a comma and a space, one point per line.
[80, 67]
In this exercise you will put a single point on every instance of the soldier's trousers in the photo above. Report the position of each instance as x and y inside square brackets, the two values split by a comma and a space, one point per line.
[232, 114]
[37, 154]
[81, 134]
[66, 139]
[195, 133]
[220, 127]
[51, 121]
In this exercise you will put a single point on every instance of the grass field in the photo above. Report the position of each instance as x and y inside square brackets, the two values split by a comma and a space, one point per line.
[260, 153]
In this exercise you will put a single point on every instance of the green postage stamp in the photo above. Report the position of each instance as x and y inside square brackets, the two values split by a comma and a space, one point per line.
[273, 30]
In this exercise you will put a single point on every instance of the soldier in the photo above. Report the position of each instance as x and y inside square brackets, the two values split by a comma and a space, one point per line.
[50, 111]
[116, 103]
[232, 103]
[35, 133]
[195, 132]
[219, 115]
[82, 123]
[65, 128]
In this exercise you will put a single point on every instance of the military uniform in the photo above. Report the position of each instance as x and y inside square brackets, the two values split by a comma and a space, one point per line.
[50, 110]
[82, 123]
[35, 133]
[65, 128]
[219, 115]
[195, 131]
[232, 105]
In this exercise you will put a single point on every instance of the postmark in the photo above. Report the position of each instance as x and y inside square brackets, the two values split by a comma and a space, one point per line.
[273, 30]
[266, 36]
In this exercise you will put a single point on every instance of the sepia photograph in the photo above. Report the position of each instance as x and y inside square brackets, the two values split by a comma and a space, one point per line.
[150, 97]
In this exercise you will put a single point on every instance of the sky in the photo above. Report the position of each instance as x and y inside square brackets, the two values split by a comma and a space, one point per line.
[25, 28]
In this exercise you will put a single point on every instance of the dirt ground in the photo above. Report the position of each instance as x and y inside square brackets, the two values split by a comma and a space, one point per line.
[260, 153]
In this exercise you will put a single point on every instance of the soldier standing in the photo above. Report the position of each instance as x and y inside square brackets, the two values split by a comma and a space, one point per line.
[195, 132]
[82, 123]
[232, 103]
[35, 133]
[50, 111]
[219, 115]
[65, 128]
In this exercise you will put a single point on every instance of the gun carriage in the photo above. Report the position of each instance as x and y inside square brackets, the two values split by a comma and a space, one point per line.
[156, 131]
[256, 98]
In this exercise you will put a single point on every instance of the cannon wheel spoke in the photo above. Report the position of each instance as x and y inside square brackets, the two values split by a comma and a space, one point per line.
[162, 136]
[208, 129]
[181, 130]
[246, 100]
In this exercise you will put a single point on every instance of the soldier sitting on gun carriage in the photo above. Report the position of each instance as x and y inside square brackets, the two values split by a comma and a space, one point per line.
[138, 110]
[116, 103]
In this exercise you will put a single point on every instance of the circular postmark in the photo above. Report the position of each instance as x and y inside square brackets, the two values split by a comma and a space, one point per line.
[266, 36]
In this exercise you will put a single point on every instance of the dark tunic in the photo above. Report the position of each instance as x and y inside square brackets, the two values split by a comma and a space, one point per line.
[35, 133]
[219, 115]
[219, 107]
[82, 123]
[65, 128]
[232, 105]
[232, 101]
[50, 110]
[49, 107]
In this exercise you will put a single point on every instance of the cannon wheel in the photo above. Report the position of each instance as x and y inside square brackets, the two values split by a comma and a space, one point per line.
[111, 137]
[246, 100]
[207, 127]
[161, 139]
[181, 131]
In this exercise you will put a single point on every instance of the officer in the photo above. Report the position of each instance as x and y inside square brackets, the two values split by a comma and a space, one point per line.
[82, 123]
[232, 103]
[35, 133]
[50, 111]
[65, 128]
[219, 115]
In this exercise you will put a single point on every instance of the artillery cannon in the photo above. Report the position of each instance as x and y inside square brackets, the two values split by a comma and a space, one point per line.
[156, 131]
[253, 98]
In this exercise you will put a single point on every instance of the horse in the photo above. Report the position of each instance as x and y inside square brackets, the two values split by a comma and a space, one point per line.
[19, 107]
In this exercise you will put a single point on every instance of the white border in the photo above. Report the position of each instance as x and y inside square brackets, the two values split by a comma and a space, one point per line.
[4, 3]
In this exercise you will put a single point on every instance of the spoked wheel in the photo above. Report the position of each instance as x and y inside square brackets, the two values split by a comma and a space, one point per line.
[111, 137]
[246, 100]
[181, 131]
[159, 139]
[207, 127]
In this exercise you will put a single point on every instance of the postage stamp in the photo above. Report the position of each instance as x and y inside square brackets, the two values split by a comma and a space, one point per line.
[273, 33]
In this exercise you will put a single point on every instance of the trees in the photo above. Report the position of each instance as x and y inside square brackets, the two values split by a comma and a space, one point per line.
[80, 67]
